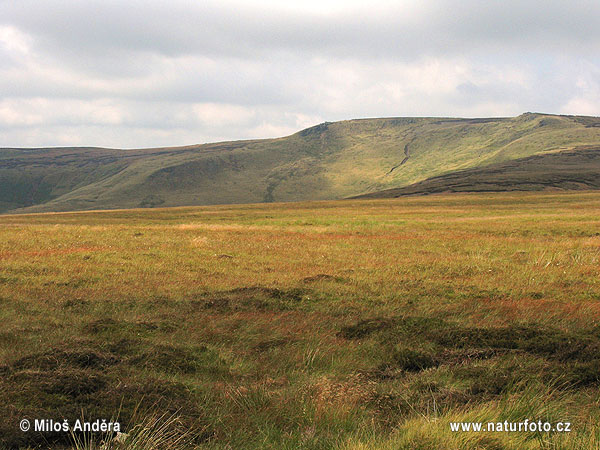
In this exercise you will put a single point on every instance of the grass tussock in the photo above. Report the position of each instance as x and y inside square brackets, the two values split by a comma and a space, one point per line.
[152, 432]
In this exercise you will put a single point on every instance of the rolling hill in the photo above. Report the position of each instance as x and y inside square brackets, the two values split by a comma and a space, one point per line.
[328, 161]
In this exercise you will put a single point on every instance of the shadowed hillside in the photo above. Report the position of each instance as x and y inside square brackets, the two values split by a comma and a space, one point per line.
[328, 161]
[568, 170]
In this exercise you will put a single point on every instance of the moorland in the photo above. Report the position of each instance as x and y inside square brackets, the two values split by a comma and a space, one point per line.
[356, 324]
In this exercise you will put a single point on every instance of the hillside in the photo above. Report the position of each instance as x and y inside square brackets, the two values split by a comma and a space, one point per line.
[328, 161]
[576, 169]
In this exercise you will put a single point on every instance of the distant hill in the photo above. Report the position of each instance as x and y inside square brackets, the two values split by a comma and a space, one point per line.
[567, 170]
[327, 161]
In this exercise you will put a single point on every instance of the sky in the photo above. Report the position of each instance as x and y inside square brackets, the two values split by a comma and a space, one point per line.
[131, 74]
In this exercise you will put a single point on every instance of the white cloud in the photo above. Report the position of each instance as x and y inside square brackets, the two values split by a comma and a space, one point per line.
[13, 40]
[582, 106]
[137, 74]
[52, 111]
[214, 114]
[12, 115]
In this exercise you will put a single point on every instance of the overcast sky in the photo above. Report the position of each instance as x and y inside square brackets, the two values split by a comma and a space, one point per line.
[149, 73]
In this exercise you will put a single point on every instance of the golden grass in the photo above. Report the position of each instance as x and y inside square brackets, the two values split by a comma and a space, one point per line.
[239, 312]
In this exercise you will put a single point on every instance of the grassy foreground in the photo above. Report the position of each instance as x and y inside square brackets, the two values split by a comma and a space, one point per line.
[353, 324]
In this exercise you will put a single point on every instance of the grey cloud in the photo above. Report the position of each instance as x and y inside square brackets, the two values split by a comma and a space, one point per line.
[218, 29]
[228, 81]
[117, 73]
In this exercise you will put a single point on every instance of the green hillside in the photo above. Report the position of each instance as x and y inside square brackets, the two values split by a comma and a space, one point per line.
[577, 169]
[328, 161]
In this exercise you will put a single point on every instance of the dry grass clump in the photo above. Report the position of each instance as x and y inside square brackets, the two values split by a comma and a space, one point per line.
[152, 432]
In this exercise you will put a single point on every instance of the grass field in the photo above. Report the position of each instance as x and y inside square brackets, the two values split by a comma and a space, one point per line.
[346, 324]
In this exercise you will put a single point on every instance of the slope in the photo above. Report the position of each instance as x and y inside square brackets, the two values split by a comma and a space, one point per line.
[328, 161]
[567, 170]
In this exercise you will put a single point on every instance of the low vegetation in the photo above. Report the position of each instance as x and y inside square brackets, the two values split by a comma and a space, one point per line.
[577, 169]
[328, 161]
[366, 324]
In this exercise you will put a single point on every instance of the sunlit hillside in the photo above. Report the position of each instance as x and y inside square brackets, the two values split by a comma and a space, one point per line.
[328, 161]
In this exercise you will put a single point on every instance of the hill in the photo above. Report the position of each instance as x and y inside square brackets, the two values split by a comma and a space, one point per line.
[576, 169]
[327, 161]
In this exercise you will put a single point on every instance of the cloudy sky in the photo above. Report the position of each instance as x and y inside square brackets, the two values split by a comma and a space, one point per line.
[149, 73]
